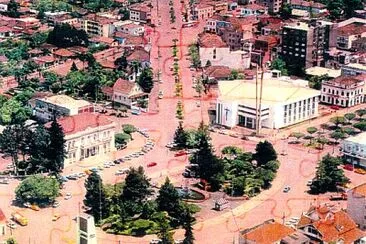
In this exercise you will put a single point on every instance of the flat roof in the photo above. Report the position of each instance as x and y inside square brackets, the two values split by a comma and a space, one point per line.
[298, 26]
[356, 66]
[360, 138]
[318, 71]
[65, 101]
[274, 91]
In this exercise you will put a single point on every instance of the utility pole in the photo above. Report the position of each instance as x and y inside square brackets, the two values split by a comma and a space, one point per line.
[260, 100]
[256, 99]
[100, 199]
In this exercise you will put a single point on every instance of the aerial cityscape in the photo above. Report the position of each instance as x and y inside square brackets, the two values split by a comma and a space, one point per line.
[182, 121]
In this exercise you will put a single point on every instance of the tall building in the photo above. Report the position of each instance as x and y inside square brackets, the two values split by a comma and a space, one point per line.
[304, 44]
[86, 230]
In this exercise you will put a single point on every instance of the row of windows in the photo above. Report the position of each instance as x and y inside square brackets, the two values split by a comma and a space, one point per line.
[295, 118]
[342, 93]
[90, 138]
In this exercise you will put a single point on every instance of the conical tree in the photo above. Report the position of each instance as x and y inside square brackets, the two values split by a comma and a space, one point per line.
[95, 197]
[188, 220]
[180, 136]
[164, 233]
[264, 153]
[56, 150]
[168, 199]
[137, 186]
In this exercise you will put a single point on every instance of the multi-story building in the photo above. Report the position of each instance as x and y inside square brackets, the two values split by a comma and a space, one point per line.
[94, 24]
[354, 69]
[252, 9]
[87, 135]
[272, 5]
[343, 91]
[202, 11]
[304, 44]
[130, 28]
[263, 48]
[349, 33]
[212, 48]
[356, 202]
[311, 7]
[60, 105]
[140, 12]
[354, 149]
[283, 104]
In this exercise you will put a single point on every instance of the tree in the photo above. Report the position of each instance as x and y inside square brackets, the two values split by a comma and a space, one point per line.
[349, 116]
[337, 135]
[128, 128]
[188, 220]
[168, 199]
[56, 149]
[335, 8]
[328, 176]
[121, 62]
[311, 131]
[264, 153]
[280, 65]
[285, 11]
[38, 150]
[11, 240]
[360, 125]
[238, 184]
[95, 197]
[38, 189]
[13, 112]
[210, 168]
[350, 6]
[361, 112]
[65, 35]
[316, 81]
[337, 120]
[137, 186]
[145, 80]
[164, 234]
[13, 8]
[122, 138]
[297, 135]
[180, 136]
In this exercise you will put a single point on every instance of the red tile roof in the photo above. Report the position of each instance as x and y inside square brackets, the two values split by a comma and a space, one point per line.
[4, 29]
[103, 39]
[209, 40]
[63, 53]
[218, 72]
[255, 6]
[308, 4]
[107, 64]
[352, 29]
[123, 86]
[345, 80]
[139, 55]
[141, 7]
[80, 122]
[267, 233]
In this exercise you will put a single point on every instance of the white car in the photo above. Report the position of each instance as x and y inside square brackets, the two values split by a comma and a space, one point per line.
[55, 204]
[106, 165]
[68, 196]
[286, 189]
[12, 225]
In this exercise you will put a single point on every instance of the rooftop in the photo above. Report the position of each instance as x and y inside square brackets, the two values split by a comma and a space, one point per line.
[274, 91]
[66, 101]
[267, 233]
[209, 40]
[352, 29]
[360, 138]
[308, 4]
[63, 53]
[298, 26]
[139, 54]
[318, 71]
[345, 81]
[81, 122]
[360, 189]
[218, 72]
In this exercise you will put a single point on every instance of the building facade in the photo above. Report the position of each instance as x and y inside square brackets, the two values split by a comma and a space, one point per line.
[280, 106]
[356, 202]
[98, 25]
[87, 135]
[305, 44]
[354, 150]
[140, 12]
[60, 105]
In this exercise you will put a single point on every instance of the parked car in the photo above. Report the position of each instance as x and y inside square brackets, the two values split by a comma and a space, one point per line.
[180, 153]
[27, 205]
[286, 189]
[4, 181]
[68, 196]
[12, 225]
[160, 95]
[151, 164]
[309, 182]
[360, 171]
[155, 241]
[35, 207]
[56, 204]
[348, 167]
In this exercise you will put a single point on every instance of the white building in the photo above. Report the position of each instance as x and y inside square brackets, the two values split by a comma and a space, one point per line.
[87, 135]
[212, 48]
[343, 91]
[130, 28]
[354, 149]
[283, 104]
[86, 230]
[356, 202]
[60, 105]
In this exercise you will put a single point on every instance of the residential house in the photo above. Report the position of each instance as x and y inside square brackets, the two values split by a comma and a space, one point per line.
[4, 6]
[343, 91]
[44, 62]
[125, 93]
[273, 6]
[130, 40]
[87, 135]
[270, 232]
[252, 9]
[58, 18]
[59, 105]
[216, 22]
[283, 104]
[215, 73]
[263, 49]
[131, 28]
[63, 54]
[94, 24]
[27, 23]
[349, 33]
[327, 224]
[202, 11]
[212, 48]
[140, 12]
[6, 32]
[219, 7]
[354, 152]
[110, 42]
[360, 13]
[137, 59]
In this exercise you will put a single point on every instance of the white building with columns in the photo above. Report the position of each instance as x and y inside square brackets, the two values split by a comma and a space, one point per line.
[87, 135]
[343, 91]
[354, 149]
[283, 104]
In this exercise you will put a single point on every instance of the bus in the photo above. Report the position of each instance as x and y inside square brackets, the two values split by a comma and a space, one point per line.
[190, 24]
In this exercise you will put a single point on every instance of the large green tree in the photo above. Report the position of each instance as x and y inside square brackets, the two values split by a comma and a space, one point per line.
[180, 136]
[56, 149]
[145, 80]
[65, 35]
[328, 176]
[137, 186]
[188, 220]
[38, 150]
[264, 152]
[164, 232]
[168, 199]
[95, 197]
[280, 65]
[13, 9]
[38, 189]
